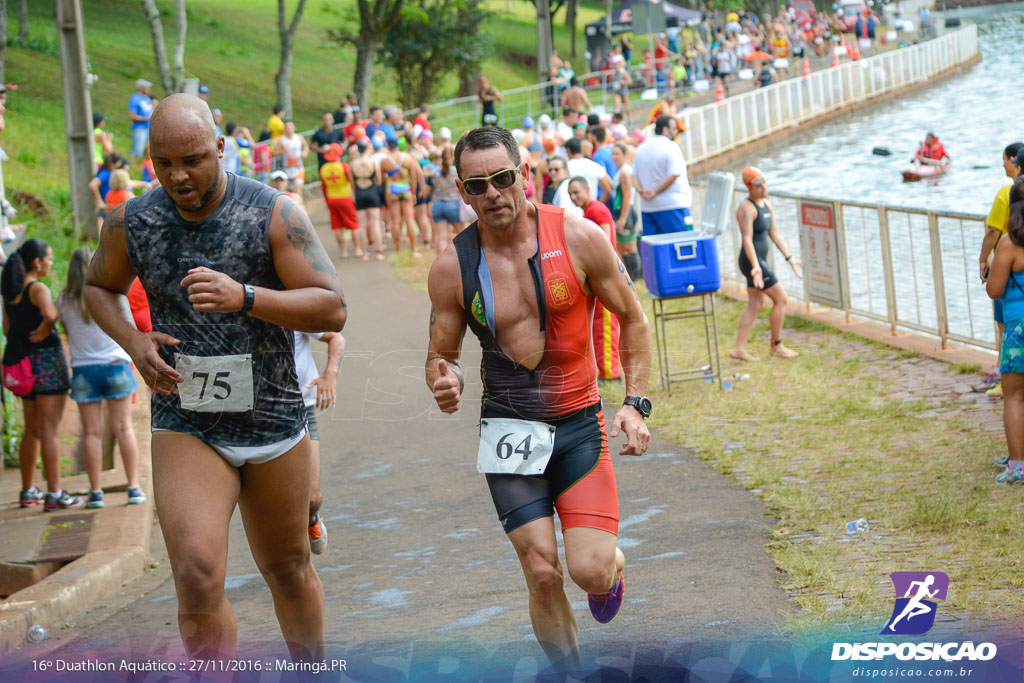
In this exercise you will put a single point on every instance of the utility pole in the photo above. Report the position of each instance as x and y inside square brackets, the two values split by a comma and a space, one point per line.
[77, 113]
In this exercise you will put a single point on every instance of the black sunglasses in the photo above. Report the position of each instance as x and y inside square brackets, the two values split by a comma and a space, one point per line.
[501, 180]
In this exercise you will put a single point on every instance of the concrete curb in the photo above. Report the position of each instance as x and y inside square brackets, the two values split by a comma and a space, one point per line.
[118, 552]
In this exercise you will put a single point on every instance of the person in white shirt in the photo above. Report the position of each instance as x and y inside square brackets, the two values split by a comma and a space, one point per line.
[659, 173]
[563, 130]
[598, 180]
[101, 371]
[558, 188]
[318, 393]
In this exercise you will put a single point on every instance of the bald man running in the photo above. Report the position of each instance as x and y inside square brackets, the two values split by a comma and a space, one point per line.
[228, 264]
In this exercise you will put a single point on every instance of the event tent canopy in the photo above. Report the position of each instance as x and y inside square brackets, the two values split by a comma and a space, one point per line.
[622, 18]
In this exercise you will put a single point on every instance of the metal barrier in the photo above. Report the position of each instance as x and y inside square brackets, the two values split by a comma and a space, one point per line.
[910, 268]
[717, 128]
[463, 113]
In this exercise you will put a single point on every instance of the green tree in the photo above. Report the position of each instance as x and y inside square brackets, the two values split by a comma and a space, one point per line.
[375, 19]
[431, 39]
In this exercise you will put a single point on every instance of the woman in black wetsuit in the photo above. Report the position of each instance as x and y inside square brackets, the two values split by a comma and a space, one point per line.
[757, 225]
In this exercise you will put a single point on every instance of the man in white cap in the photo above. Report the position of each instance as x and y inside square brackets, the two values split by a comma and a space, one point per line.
[140, 110]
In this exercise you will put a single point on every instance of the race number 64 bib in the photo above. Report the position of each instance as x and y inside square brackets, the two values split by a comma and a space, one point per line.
[514, 446]
[215, 384]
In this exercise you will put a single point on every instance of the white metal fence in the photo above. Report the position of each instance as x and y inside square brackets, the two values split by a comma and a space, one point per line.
[717, 128]
[911, 268]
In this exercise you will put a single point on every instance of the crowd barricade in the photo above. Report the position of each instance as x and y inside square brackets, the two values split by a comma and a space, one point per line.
[910, 268]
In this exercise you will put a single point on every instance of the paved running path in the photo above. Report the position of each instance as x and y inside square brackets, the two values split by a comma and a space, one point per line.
[418, 572]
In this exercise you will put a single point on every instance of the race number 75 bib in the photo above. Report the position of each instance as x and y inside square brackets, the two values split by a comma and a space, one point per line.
[215, 384]
[514, 446]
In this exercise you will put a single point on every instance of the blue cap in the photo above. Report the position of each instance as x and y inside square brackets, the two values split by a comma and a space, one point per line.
[377, 142]
[528, 122]
[1019, 160]
[392, 141]
[203, 90]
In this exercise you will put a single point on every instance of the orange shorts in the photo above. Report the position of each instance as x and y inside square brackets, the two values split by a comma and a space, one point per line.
[579, 481]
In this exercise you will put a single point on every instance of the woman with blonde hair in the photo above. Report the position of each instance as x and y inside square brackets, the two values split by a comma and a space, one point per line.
[102, 371]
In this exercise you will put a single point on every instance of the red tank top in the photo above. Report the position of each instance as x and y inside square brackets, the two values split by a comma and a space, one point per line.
[565, 380]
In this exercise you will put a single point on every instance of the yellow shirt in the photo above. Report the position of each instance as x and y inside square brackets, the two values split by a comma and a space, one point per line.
[276, 126]
[999, 215]
[334, 176]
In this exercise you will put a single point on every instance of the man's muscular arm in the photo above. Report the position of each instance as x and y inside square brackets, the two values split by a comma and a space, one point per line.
[605, 276]
[447, 327]
[107, 283]
[312, 300]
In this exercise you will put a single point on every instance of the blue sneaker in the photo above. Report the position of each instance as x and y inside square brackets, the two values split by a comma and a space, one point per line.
[1011, 476]
[135, 495]
[1001, 460]
[95, 499]
[605, 606]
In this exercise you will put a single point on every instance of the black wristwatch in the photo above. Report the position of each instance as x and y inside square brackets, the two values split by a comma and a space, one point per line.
[249, 298]
[641, 403]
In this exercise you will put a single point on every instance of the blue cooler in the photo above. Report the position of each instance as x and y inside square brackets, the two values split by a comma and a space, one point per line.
[680, 264]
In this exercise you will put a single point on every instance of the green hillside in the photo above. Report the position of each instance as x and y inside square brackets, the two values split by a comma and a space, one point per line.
[233, 48]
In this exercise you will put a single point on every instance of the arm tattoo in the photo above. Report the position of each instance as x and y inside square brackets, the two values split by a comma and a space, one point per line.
[622, 269]
[433, 321]
[300, 234]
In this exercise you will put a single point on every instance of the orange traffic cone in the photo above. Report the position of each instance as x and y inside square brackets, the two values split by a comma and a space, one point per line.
[855, 50]
[719, 91]
[807, 67]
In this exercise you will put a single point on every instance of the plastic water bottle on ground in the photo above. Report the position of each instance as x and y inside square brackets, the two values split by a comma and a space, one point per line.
[36, 634]
[727, 383]
[708, 377]
[857, 526]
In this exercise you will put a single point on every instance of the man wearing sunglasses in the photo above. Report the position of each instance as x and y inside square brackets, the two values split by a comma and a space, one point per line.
[524, 279]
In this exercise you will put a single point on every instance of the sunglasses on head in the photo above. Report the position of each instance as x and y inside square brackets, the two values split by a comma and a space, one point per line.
[501, 180]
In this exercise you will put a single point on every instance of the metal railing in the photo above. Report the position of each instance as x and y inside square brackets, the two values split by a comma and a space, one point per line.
[717, 128]
[739, 119]
[463, 113]
[910, 268]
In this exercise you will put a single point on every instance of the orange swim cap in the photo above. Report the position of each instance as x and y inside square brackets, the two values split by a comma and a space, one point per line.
[751, 174]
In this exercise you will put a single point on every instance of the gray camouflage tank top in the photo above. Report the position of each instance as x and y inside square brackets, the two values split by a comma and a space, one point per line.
[234, 240]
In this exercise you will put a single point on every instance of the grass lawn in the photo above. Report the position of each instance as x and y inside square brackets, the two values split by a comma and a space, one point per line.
[837, 435]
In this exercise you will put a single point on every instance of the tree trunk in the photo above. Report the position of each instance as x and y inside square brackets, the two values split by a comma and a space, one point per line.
[3, 43]
[22, 22]
[543, 40]
[284, 73]
[570, 21]
[469, 77]
[608, 24]
[179, 47]
[156, 32]
[366, 50]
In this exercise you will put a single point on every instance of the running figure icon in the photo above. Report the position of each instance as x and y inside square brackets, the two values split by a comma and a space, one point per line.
[915, 607]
